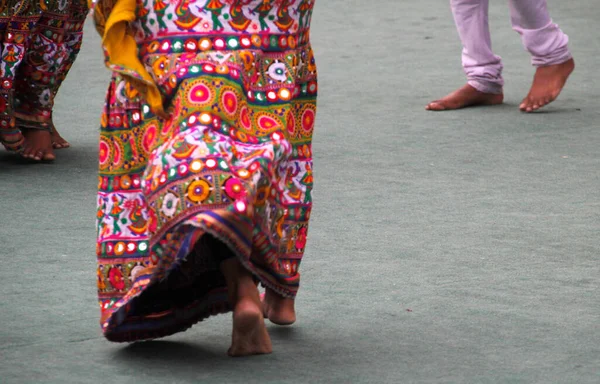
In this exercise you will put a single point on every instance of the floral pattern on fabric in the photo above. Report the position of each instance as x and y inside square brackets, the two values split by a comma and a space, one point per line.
[40, 41]
[232, 158]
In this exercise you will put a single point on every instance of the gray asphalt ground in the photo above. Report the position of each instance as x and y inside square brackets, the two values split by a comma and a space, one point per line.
[455, 247]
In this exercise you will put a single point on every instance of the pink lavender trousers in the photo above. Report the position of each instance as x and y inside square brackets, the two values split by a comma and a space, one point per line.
[543, 39]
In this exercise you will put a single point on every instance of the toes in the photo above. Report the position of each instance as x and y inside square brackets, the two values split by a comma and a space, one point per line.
[60, 144]
[28, 152]
[435, 106]
[539, 104]
[529, 104]
[48, 156]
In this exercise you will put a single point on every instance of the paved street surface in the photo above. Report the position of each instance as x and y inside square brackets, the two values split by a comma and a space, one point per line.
[454, 247]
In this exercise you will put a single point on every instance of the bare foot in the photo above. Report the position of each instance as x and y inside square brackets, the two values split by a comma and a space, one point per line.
[278, 309]
[249, 336]
[547, 83]
[38, 145]
[466, 96]
[57, 141]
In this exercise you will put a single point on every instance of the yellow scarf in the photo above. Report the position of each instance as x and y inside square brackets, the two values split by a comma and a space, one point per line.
[122, 50]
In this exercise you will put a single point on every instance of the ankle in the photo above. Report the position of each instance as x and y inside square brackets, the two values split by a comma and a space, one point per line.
[485, 87]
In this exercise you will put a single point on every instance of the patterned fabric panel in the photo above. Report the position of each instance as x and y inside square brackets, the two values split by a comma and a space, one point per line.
[233, 159]
[40, 41]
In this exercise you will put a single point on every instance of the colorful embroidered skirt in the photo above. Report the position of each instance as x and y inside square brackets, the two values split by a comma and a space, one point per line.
[40, 41]
[230, 157]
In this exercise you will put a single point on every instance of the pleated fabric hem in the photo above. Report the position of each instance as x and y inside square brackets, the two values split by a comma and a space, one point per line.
[123, 325]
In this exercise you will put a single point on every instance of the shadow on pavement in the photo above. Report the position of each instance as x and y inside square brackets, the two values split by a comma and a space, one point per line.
[167, 352]
[284, 333]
